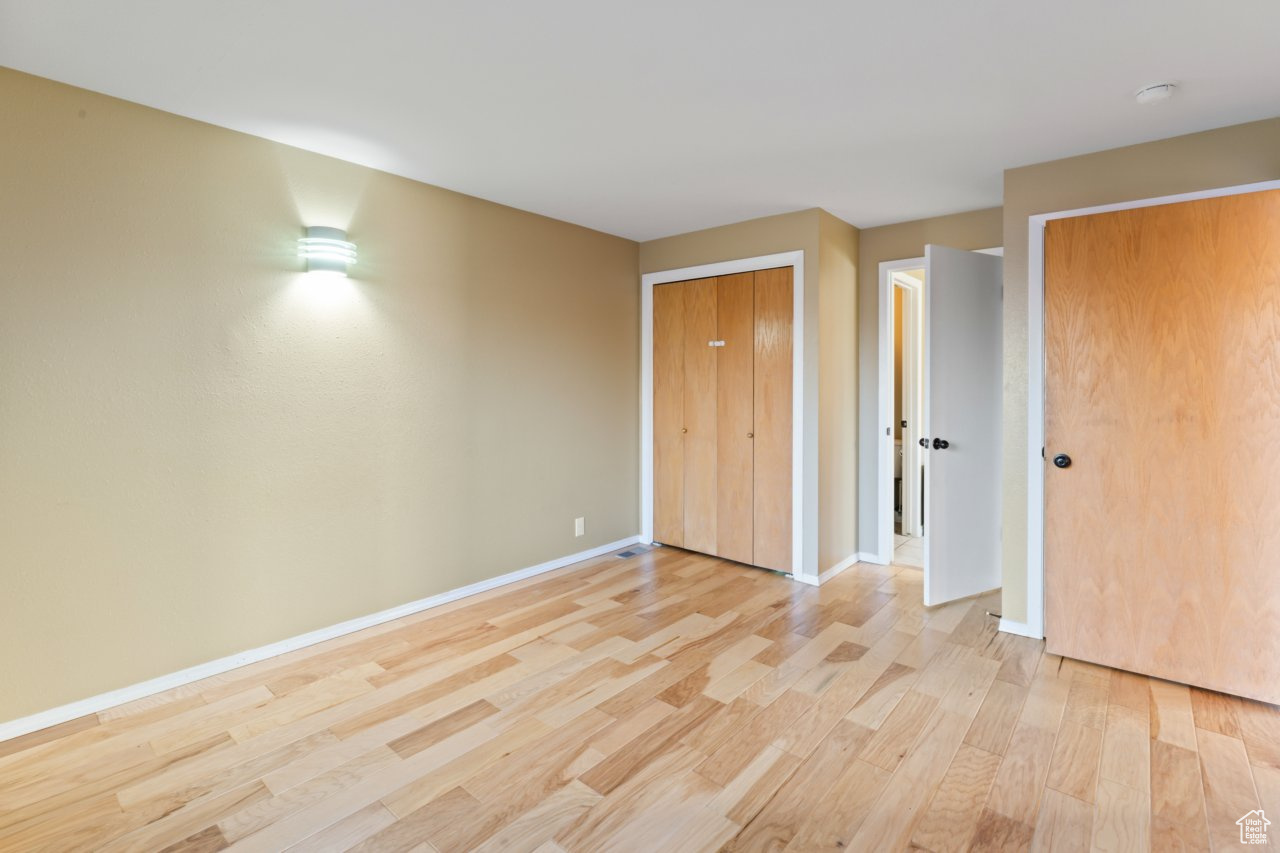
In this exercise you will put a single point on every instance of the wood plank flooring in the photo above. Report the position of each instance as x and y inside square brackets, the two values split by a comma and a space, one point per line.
[665, 701]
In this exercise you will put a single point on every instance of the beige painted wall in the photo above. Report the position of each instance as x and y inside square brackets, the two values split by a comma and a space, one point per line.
[837, 391]
[1218, 158]
[979, 229]
[205, 451]
[768, 235]
[831, 254]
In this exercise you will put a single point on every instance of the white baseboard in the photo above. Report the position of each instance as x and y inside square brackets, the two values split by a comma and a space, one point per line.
[851, 560]
[1020, 628]
[94, 704]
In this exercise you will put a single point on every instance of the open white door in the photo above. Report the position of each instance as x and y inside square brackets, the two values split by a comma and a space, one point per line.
[962, 386]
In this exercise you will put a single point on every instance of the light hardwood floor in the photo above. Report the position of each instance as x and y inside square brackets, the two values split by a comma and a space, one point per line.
[662, 702]
[908, 551]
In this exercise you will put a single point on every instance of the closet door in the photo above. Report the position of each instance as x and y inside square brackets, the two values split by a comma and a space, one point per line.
[734, 423]
[668, 413]
[772, 403]
[1162, 477]
[700, 454]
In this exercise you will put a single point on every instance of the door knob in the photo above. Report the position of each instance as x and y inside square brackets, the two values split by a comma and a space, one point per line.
[941, 444]
[684, 429]
[1062, 460]
[924, 442]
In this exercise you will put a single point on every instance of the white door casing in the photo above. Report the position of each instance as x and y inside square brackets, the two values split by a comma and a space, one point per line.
[912, 453]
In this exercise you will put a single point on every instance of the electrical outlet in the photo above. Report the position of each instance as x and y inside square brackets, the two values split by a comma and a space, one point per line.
[579, 527]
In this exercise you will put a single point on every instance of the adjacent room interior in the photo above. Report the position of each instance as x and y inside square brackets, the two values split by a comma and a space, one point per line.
[908, 467]
[572, 428]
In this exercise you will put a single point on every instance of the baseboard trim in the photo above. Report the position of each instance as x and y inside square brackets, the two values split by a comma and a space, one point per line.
[94, 704]
[851, 560]
[1020, 628]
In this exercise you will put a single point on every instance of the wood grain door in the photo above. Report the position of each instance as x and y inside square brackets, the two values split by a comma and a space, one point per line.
[772, 404]
[735, 384]
[668, 413]
[1162, 349]
[700, 402]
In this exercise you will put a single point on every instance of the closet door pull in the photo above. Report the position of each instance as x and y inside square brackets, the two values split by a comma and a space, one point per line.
[751, 435]
[715, 343]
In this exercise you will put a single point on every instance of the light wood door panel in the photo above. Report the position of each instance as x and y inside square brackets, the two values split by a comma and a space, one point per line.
[1162, 347]
[772, 444]
[700, 475]
[668, 414]
[734, 410]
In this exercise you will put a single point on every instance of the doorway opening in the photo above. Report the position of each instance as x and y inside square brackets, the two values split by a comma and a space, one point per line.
[908, 471]
[939, 416]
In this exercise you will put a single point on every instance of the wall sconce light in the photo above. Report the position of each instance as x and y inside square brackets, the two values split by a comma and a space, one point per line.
[327, 250]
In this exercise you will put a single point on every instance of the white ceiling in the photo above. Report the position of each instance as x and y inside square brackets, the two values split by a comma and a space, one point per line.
[655, 117]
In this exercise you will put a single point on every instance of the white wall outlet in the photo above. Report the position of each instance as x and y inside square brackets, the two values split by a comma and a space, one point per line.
[579, 527]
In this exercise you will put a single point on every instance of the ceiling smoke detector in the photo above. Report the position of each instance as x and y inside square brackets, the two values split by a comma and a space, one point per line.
[1155, 93]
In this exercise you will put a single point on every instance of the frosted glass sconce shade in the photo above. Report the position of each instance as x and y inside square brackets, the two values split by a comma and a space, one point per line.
[327, 250]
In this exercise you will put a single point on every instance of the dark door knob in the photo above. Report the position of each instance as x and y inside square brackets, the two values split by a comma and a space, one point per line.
[1062, 460]
[941, 444]
[924, 442]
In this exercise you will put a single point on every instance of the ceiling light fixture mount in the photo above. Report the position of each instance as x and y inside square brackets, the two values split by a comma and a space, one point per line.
[327, 250]
[1154, 93]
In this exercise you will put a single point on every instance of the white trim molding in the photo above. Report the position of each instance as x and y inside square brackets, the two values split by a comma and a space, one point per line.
[803, 554]
[1034, 625]
[94, 704]
[1009, 626]
[847, 563]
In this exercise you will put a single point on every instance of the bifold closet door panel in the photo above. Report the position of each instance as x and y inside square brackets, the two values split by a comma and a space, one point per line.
[735, 371]
[772, 442]
[700, 475]
[668, 414]
[1162, 386]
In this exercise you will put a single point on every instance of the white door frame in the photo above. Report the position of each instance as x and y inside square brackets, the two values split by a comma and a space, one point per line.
[884, 515]
[912, 399]
[804, 559]
[1034, 626]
